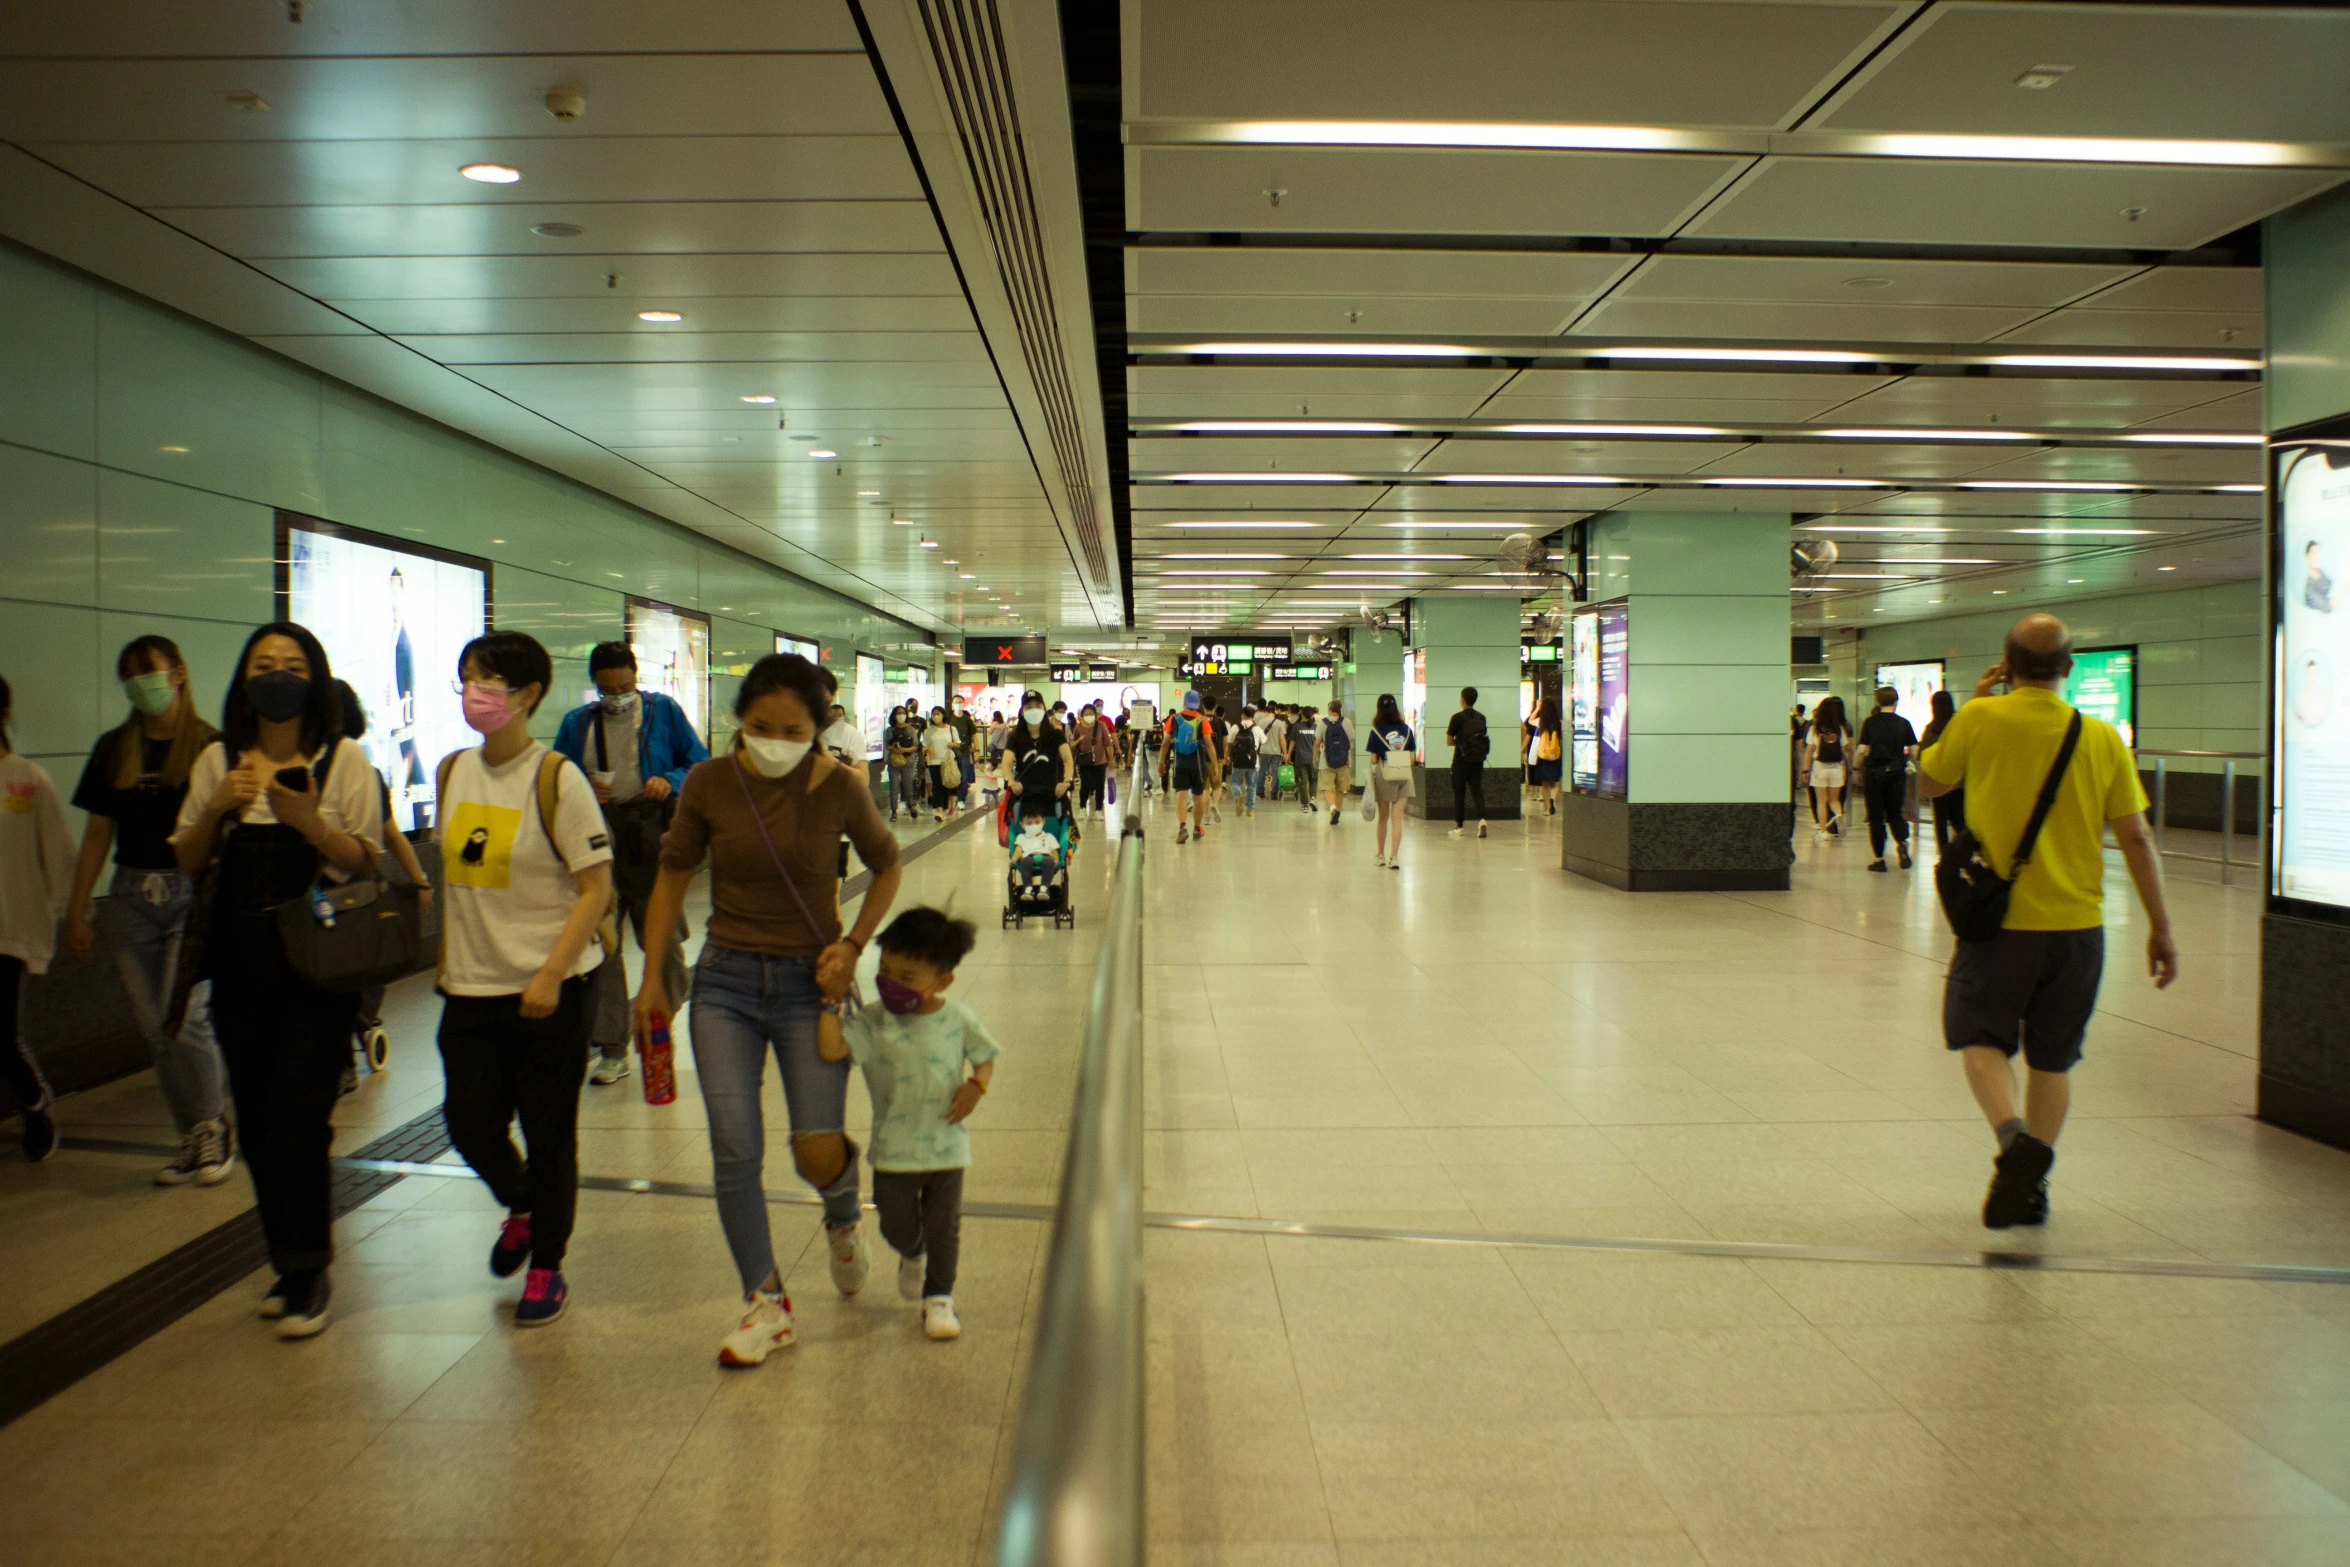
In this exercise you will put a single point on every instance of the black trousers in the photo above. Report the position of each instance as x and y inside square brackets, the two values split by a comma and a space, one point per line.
[18, 1069]
[286, 1044]
[922, 1216]
[1465, 782]
[1887, 793]
[1949, 817]
[497, 1066]
[1089, 783]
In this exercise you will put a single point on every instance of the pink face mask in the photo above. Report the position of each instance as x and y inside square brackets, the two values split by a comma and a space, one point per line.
[487, 708]
[900, 997]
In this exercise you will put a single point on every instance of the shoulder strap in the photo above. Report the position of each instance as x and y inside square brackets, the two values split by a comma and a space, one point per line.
[550, 784]
[603, 754]
[440, 786]
[2064, 757]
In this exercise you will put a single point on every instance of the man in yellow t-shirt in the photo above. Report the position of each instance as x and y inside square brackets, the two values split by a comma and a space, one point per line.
[2034, 985]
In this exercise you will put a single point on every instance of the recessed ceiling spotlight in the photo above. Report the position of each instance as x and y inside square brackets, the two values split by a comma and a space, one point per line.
[822, 453]
[659, 315]
[761, 398]
[490, 173]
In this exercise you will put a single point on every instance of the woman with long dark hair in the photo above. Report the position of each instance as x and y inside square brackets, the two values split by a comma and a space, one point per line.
[1038, 757]
[130, 791]
[279, 801]
[1545, 752]
[36, 874]
[769, 818]
[1391, 746]
[1826, 754]
[1949, 809]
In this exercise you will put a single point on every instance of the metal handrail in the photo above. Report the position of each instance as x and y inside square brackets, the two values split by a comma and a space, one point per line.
[1076, 1492]
[2232, 756]
[2226, 858]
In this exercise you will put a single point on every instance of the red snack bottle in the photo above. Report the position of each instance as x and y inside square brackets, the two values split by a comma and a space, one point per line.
[660, 1063]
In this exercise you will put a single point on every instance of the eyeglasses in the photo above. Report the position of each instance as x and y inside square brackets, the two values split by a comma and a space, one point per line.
[458, 686]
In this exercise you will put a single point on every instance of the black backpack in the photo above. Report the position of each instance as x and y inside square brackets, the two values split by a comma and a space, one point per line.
[1475, 744]
[1244, 746]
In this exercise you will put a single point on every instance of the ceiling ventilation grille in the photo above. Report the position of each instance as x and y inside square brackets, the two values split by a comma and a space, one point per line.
[967, 45]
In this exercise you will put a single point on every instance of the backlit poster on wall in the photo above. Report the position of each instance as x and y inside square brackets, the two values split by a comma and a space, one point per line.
[872, 702]
[1615, 698]
[672, 649]
[1583, 699]
[392, 616]
[2309, 803]
[807, 650]
[1415, 700]
[909, 684]
[2104, 684]
[1917, 683]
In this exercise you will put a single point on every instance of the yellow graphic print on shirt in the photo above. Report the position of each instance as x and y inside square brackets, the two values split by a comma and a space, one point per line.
[20, 798]
[477, 844]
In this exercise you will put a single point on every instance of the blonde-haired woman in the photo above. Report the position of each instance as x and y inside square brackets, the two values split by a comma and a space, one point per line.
[131, 789]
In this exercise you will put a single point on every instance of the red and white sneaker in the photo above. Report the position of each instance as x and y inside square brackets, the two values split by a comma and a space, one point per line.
[765, 1328]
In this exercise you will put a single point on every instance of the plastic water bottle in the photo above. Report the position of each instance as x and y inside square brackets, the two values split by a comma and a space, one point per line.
[659, 1061]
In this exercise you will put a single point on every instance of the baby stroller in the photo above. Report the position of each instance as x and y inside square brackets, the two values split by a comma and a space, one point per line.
[1036, 831]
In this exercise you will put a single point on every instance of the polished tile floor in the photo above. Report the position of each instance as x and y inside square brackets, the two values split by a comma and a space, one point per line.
[1475, 1044]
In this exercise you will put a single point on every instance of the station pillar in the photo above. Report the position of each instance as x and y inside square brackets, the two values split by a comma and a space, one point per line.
[1463, 639]
[1705, 804]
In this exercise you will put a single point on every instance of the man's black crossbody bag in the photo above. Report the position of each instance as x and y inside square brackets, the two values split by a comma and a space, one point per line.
[1974, 896]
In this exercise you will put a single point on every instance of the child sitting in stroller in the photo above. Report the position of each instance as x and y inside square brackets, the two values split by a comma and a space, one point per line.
[1038, 881]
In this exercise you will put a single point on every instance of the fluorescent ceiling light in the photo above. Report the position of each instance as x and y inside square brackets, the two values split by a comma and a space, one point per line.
[2060, 486]
[1849, 527]
[2082, 149]
[2198, 438]
[930, 544]
[1600, 480]
[2120, 362]
[1373, 350]
[1407, 557]
[1609, 429]
[1181, 556]
[1268, 477]
[823, 452]
[1786, 356]
[1801, 484]
[659, 315]
[490, 173]
[1189, 572]
[1488, 587]
[895, 522]
[761, 398]
[1870, 576]
[1418, 133]
[1289, 427]
[1366, 571]
[1505, 527]
[2240, 489]
[2066, 533]
[1897, 434]
[867, 494]
[1929, 560]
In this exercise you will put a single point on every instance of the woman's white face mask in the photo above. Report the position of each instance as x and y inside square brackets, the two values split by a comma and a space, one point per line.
[1034, 715]
[774, 758]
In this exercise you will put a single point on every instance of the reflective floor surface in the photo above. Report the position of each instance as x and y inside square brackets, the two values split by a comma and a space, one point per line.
[1476, 1043]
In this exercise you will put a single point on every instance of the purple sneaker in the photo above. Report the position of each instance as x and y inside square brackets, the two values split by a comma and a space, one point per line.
[543, 1295]
[513, 1246]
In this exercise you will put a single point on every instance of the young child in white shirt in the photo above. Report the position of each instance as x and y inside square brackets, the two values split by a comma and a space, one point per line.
[927, 1063]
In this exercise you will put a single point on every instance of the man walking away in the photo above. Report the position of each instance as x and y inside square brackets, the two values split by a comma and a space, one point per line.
[2033, 985]
[1471, 744]
[1305, 742]
[1191, 749]
[635, 747]
[1338, 759]
[1886, 741]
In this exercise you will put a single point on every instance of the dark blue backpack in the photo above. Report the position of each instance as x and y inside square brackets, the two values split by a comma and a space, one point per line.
[1336, 750]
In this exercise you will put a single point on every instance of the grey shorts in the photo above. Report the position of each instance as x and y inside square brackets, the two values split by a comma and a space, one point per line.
[2027, 989]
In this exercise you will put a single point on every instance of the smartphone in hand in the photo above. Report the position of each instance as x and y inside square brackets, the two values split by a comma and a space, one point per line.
[296, 780]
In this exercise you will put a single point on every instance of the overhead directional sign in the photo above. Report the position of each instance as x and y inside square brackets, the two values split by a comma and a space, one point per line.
[1000, 652]
[1234, 653]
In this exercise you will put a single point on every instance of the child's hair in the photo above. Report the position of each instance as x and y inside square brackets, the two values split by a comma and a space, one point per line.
[931, 936]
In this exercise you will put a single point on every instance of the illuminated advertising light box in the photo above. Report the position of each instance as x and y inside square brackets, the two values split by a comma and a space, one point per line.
[1600, 689]
[672, 648]
[2104, 684]
[807, 650]
[1415, 700]
[1111, 696]
[2309, 799]
[1917, 683]
[872, 701]
[392, 615]
[908, 684]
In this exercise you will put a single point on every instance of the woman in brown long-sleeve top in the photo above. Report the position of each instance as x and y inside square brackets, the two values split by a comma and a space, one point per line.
[769, 817]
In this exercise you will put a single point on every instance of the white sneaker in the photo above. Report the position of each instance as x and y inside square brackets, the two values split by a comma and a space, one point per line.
[608, 1069]
[1480, 829]
[765, 1328]
[910, 1274]
[848, 1257]
[938, 1318]
[1454, 832]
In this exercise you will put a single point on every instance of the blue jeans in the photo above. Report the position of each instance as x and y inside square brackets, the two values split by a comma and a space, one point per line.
[744, 1005]
[143, 917]
[1244, 785]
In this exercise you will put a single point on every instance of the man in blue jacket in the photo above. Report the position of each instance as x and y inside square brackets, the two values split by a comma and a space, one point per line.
[635, 747]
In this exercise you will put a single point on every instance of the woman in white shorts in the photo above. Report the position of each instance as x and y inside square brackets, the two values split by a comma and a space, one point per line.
[1827, 754]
